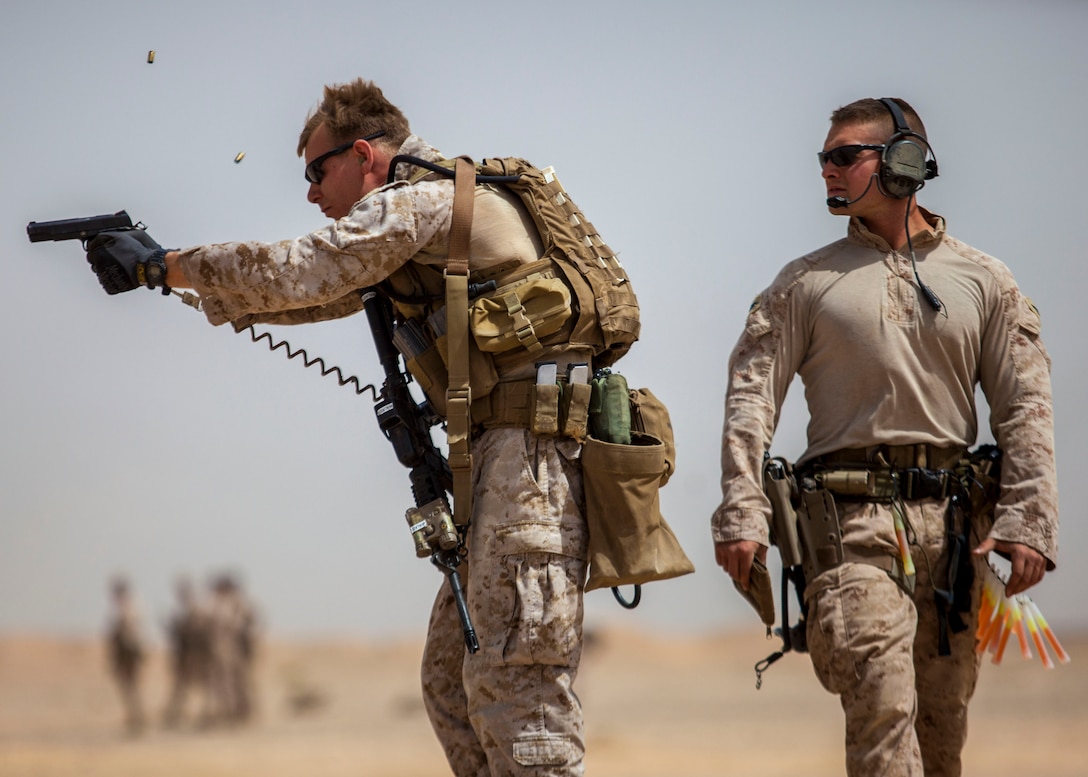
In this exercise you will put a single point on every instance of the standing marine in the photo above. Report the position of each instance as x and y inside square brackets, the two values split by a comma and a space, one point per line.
[891, 329]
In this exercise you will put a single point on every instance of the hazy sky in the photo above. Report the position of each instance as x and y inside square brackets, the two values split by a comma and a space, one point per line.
[139, 439]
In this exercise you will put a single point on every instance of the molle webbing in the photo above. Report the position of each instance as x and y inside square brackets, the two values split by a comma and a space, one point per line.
[608, 313]
[515, 404]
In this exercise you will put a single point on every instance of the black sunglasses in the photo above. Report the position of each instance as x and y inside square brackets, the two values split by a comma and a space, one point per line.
[314, 173]
[844, 156]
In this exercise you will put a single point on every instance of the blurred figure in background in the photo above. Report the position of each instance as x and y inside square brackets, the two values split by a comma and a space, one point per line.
[126, 651]
[233, 635]
[189, 637]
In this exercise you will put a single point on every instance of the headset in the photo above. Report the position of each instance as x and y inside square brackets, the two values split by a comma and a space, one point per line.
[904, 168]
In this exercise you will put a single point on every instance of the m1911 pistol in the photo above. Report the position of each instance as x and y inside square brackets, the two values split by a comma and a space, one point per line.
[78, 229]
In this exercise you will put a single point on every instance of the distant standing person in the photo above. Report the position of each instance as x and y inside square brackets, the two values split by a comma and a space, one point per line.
[126, 651]
[891, 329]
[189, 634]
[233, 651]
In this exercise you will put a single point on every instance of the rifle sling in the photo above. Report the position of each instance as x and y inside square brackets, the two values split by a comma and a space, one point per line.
[458, 393]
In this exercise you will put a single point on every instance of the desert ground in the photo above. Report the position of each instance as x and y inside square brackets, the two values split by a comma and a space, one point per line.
[654, 707]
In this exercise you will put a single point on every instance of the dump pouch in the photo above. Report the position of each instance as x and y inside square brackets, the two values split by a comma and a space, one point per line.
[629, 541]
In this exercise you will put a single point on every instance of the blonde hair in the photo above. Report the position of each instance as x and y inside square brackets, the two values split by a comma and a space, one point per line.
[354, 110]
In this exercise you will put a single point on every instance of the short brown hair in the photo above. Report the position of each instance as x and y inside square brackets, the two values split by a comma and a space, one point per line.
[354, 110]
[870, 109]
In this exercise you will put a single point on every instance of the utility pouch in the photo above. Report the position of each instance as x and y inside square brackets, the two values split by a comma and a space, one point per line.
[521, 312]
[630, 542]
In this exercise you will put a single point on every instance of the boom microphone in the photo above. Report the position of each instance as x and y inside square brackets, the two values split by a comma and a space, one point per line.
[842, 202]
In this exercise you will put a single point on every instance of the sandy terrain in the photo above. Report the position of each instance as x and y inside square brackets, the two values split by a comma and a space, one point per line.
[654, 708]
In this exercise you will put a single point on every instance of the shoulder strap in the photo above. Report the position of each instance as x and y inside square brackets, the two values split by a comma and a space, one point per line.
[459, 394]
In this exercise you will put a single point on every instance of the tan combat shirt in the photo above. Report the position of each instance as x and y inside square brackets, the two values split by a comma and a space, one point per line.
[880, 366]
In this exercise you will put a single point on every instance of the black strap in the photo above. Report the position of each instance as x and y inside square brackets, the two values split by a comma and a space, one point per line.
[955, 598]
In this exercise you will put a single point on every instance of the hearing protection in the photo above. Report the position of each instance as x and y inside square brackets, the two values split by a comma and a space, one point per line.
[904, 168]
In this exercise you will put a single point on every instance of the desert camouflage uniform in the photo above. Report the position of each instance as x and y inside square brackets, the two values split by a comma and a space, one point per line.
[515, 711]
[879, 367]
[508, 709]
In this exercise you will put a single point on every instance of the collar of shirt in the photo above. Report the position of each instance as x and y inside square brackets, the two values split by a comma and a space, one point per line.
[856, 232]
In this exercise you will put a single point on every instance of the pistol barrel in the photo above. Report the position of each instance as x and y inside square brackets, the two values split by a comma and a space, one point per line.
[77, 229]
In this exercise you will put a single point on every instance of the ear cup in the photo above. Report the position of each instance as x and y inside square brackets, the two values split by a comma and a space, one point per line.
[903, 168]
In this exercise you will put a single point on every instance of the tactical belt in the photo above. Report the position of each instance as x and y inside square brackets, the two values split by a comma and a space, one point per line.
[883, 473]
[514, 404]
[508, 404]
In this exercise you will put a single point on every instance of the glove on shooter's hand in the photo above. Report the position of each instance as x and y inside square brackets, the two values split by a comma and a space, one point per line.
[126, 259]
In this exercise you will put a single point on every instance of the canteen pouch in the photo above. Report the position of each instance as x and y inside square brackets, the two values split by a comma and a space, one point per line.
[630, 542]
[520, 313]
[610, 408]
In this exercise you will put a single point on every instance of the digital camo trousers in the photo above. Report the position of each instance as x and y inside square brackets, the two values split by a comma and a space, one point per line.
[510, 708]
[877, 648]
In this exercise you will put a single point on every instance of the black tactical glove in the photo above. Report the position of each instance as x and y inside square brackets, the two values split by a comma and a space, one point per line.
[126, 259]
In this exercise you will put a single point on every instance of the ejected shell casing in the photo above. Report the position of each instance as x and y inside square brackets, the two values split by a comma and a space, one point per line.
[151, 56]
